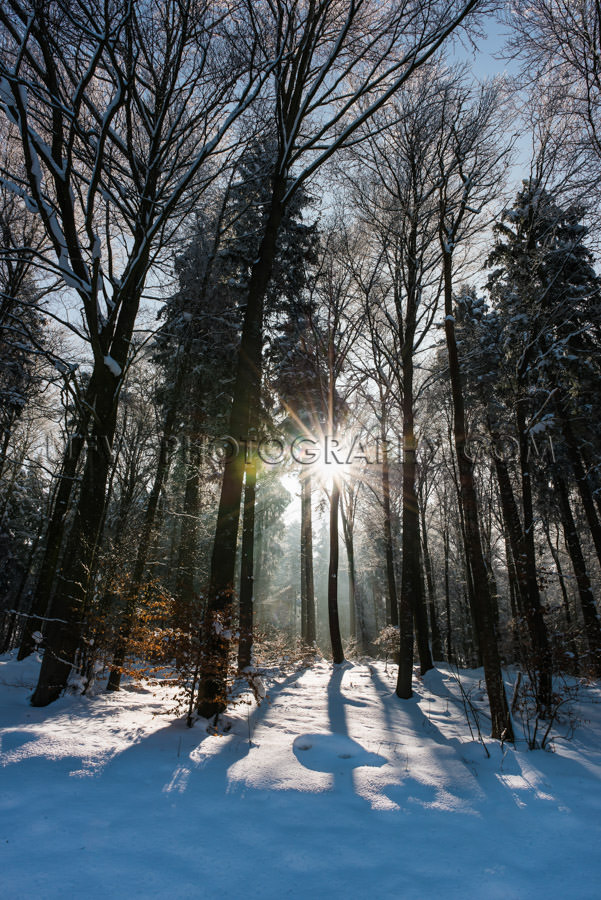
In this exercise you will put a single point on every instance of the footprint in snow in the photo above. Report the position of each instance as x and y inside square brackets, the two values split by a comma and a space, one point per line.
[331, 752]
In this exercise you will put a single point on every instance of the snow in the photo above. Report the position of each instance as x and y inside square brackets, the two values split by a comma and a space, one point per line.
[332, 787]
[113, 366]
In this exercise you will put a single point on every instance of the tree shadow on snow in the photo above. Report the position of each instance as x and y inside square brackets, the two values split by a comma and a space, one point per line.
[336, 753]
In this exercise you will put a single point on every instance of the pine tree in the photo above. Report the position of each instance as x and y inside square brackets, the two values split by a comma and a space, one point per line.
[547, 295]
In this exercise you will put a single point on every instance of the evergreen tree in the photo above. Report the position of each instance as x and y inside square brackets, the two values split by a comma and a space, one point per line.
[547, 297]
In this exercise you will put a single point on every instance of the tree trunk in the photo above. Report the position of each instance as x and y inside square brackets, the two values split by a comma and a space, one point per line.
[473, 637]
[447, 594]
[247, 568]
[187, 561]
[308, 589]
[500, 716]
[5, 444]
[352, 579]
[582, 482]
[68, 608]
[527, 552]
[392, 606]
[352, 589]
[212, 694]
[42, 594]
[128, 618]
[437, 651]
[565, 599]
[592, 626]
[333, 618]
[411, 579]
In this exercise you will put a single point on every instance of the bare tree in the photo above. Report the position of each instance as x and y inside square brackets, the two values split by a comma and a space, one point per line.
[558, 43]
[119, 108]
[340, 63]
[469, 159]
[398, 204]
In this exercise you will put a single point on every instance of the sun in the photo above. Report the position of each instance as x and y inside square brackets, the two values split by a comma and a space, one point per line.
[328, 470]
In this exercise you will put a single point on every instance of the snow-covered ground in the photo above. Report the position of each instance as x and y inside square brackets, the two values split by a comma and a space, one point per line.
[333, 789]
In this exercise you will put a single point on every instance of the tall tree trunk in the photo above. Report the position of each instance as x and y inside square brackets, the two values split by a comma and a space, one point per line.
[447, 595]
[187, 605]
[42, 593]
[582, 482]
[187, 561]
[564, 596]
[374, 597]
[500, 716]
[515, 600]
[212, 694]
[308, 589]
[590, 464]
[592, 625]
[128, 618]
[411, 579]
[5, 444]
[352, 578]
[12, 625]
[437, 651]
[534, 610]
[352, 589]
[514, 535]
[392, 605]
[68, 607]
[473, 639]
[362, 631]
[333, 618]
[247, 568]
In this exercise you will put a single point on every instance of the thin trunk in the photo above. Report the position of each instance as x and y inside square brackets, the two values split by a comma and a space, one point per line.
[11, 628]
[212, 694]
[247, 567]
[187, 601]
[564, 596]
[437, 651]
[392, 605]
[333, 618]
[375, 605]
[515, 601]
[5, 445]
[303, 572]
[411, 580]
[470, 591]
[42, 593]
[308, 595]
[447, 594]
[67, 612]
[514, 536]
[187, 562]
[582, 482]
[352, 589]
[590, 464]
[512, 580]
[352, 579]
[592, 625]
[259, 564]
[404, 688]
[500, 716]
[128, 619]
[527, 553]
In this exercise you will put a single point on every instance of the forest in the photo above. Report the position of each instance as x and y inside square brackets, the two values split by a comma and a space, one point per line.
[300, 354]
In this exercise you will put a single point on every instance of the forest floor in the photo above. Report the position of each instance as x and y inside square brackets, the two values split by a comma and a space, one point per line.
[331, 788]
